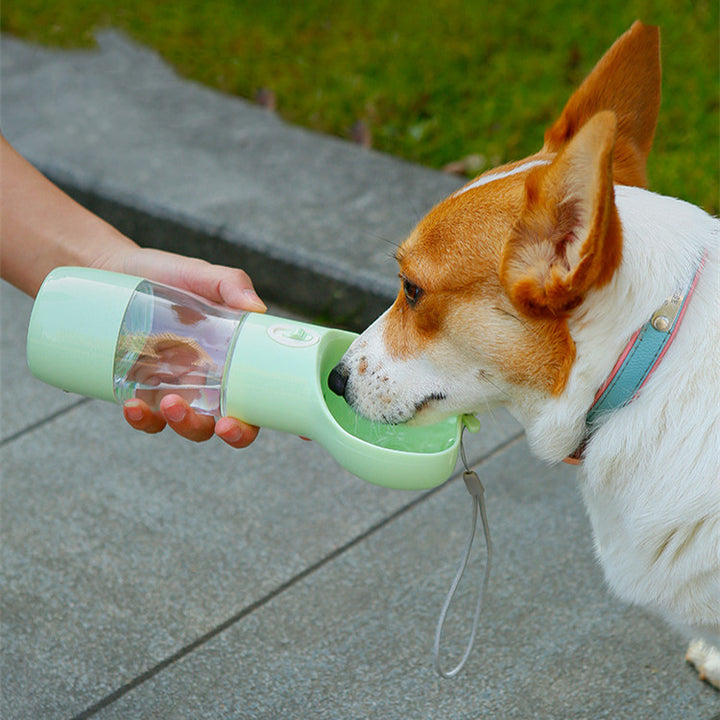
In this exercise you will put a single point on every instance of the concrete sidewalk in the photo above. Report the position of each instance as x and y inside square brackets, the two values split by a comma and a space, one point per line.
[146, 577]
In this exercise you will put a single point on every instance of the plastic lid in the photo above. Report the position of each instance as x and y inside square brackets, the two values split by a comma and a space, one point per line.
[74, 328]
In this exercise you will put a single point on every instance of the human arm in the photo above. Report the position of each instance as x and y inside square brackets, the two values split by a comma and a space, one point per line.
[42, 228]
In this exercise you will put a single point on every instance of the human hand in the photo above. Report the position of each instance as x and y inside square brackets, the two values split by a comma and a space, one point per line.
[175, 412]
[218, 283]
[42, 228]
[223, 285]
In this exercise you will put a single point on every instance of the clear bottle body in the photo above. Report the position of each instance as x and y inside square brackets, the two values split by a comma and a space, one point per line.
[172, 342]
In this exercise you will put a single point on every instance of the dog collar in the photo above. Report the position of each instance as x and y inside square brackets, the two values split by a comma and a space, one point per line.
[638, 360]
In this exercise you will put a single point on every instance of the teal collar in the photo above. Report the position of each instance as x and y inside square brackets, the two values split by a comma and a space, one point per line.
[638, 361]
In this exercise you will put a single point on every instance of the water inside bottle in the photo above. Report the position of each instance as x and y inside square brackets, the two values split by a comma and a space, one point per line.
[407, 438]
[173, 343]
[403, 437]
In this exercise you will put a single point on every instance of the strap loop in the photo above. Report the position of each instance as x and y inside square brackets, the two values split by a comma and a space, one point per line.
[477, 494]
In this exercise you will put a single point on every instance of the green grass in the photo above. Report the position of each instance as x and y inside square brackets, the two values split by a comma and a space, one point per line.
[434, 81]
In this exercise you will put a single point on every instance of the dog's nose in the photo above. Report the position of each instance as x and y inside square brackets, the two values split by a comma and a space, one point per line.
[337, 380]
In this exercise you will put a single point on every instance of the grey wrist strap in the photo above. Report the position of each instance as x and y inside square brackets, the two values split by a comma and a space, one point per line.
[477, 494]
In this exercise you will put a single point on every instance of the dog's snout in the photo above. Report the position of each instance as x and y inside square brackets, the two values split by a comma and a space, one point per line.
[337, 380]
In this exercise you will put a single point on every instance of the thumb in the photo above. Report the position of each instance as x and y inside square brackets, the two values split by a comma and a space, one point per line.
[217, 283]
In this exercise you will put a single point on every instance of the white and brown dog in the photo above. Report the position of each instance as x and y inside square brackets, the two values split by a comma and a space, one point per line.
[546, 279]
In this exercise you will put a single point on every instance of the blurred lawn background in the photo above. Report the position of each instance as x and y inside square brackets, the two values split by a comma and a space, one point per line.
[431, 82]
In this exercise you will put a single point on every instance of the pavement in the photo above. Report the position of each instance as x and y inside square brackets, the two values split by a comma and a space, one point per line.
[147, 577]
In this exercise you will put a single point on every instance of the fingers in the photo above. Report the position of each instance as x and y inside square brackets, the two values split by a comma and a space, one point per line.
[140, 416]
[218, 283]
[185, 421]
[235, 433]
[240, 293]
[176, 413]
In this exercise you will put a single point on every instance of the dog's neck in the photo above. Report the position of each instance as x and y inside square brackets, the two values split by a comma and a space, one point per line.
[662, 241]
[639, 359]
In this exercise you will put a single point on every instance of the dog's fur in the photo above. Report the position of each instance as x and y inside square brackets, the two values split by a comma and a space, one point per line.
[522, 289]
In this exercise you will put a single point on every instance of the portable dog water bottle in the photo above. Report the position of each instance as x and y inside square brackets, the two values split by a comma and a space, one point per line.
[115, 337]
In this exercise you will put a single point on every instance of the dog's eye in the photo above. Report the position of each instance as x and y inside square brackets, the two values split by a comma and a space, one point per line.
[412, 292]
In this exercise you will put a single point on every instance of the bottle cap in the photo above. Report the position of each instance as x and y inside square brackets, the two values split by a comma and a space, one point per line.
[74, 329]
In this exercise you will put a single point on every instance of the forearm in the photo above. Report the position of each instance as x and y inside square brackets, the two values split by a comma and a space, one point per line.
[41, 227]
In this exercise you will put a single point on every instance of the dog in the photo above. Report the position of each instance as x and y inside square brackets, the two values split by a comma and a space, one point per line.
[538, 281]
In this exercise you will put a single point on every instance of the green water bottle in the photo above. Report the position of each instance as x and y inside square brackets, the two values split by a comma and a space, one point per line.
[115, 337]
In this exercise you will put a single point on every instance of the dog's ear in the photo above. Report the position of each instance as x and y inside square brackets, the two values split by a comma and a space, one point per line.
[568, 238]
[626, 80]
